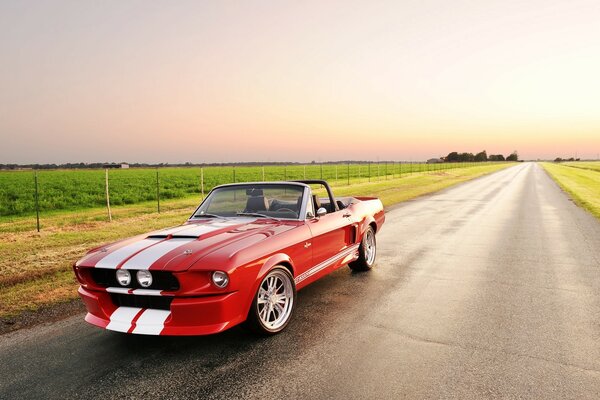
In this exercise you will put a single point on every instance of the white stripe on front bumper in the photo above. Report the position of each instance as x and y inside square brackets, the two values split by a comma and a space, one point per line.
[151, 322]
[121, 318]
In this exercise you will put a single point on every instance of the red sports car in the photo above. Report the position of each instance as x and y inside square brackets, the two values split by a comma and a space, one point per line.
[239, 258]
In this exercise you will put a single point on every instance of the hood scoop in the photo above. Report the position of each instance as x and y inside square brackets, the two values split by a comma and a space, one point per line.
[163, 236]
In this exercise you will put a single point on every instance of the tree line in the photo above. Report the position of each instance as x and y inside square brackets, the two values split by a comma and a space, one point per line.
[559, 159]
[479, 157]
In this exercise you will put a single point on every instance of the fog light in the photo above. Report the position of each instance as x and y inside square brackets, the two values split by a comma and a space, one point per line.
[220, 279]
[123, 277]
[144, 278]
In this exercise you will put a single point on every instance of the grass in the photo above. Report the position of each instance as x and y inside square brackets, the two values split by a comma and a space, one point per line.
[35, 268]
[591, 165]
[73, 190]
[582, 183]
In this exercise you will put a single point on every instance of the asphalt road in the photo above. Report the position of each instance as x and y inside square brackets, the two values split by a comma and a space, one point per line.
[488, 290]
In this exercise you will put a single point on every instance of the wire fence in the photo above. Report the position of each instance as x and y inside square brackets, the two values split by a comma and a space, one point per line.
[31, 193]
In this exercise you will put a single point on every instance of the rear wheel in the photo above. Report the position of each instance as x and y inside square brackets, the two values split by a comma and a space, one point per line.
[366, 252]
[273, 303]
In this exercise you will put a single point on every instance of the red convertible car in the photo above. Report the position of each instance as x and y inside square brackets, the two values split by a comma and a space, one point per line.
[240, 257]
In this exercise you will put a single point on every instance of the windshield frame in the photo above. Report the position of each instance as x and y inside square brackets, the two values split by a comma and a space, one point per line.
[301, 214]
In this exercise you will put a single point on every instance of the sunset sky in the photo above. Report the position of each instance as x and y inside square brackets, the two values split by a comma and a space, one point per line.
[227, 81]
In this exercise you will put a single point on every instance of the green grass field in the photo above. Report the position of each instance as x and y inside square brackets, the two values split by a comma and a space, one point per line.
[35, 268]
[580, 180]
[83, 189]
[591, 165]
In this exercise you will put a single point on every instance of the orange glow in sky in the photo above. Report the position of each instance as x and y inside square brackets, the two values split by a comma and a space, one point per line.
[142, 81]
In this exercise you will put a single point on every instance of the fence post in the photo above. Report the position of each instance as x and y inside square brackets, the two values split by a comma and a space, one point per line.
[37, 202]
[400, 170]
[369, 166]
[348, 174]
[157, 192]
[202, 182]
[285, 172]
[321, 171]
[107, 195]
[263, 173]
[234, 174]
[304, 172]
[336, 172]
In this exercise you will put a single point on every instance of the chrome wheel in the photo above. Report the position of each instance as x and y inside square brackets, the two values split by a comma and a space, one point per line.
[275, 300]
[370, 247]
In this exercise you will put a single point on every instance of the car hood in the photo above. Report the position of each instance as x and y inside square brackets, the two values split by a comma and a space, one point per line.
[176, 249]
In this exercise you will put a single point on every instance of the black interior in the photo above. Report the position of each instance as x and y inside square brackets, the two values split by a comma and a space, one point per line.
[273, 208]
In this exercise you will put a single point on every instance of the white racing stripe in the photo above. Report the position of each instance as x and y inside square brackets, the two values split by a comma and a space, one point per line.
[145, 258]
[121, 318]
[197, 230]
[112, 260]
[151, 322]
[317, 268]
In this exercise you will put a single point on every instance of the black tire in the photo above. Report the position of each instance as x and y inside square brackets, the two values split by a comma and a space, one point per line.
[255, 322]
[365, 260]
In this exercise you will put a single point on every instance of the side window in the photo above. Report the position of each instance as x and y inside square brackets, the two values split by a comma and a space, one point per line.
[310, 208]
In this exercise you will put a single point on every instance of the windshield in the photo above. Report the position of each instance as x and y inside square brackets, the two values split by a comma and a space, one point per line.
[268, 200]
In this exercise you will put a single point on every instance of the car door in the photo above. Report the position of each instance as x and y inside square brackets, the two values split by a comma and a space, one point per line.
[331, 235]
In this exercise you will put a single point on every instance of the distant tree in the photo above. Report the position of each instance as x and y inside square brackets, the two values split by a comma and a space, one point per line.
[452, 157]
[514, 156]
[482, 156]
[571, 159]
[496, 157]
[558, 159]
[466, 157]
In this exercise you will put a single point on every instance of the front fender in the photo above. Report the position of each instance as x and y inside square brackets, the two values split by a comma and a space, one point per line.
[269, 264]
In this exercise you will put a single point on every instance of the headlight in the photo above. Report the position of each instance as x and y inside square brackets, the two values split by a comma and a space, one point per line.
[144, 278]
[123, 277]
[220, 279]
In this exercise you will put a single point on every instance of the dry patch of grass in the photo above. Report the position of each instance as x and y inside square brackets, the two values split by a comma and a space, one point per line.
[35, 268]
[29, 296]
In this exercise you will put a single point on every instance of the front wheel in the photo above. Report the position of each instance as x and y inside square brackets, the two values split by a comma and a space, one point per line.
[366, 252]
[273, 303]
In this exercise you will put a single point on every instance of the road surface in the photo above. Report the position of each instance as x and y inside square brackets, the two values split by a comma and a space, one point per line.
[490, 289]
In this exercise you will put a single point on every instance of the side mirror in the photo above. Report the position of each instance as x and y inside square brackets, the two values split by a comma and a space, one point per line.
[321, 211]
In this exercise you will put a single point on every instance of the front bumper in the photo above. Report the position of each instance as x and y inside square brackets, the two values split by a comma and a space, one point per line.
[186, 315]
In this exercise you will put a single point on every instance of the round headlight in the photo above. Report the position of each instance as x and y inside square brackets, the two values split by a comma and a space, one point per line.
[144, 278]
[220, 279]
[123, 277]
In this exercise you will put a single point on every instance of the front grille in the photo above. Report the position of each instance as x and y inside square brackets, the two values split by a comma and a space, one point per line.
[132, 300]
[161, 280]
